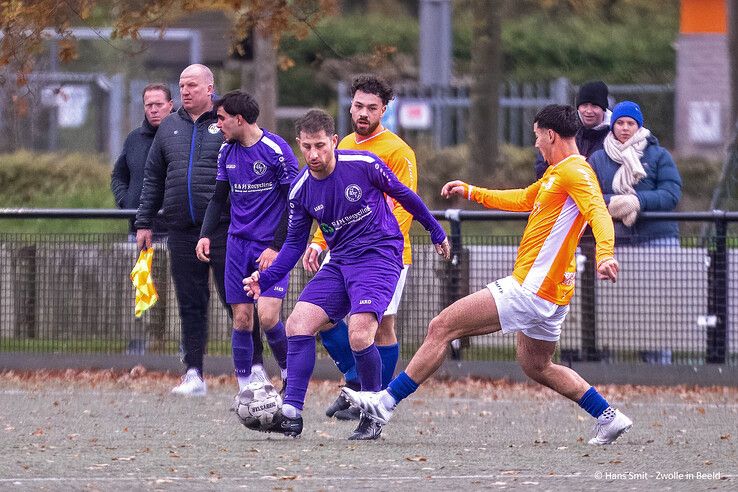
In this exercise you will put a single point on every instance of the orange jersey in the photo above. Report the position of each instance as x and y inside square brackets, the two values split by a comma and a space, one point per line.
[561, 203]
[400, 158]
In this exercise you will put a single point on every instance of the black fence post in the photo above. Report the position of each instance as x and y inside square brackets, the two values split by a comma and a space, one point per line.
[588, 298]
[717, 301]
[457, 282]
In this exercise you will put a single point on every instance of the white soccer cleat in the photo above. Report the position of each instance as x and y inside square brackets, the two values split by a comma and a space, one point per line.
[259, 375]
[610, 425]
[370, 403]
[192, 385]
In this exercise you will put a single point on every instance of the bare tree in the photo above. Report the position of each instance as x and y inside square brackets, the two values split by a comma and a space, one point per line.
[486, 69]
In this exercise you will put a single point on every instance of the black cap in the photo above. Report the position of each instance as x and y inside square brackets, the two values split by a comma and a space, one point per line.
[594, 92]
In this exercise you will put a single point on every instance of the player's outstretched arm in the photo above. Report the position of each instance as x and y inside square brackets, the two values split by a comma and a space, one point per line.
[455, 188]
[251, 285]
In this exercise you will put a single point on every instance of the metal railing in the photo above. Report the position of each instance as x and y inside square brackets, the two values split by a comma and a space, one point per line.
[70, 293]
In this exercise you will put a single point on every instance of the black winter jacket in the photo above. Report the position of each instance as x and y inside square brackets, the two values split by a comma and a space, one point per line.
[126, 180]
[180, 172]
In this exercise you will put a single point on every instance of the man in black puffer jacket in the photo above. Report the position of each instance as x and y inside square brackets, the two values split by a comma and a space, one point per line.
[180, 179]
[126, 180]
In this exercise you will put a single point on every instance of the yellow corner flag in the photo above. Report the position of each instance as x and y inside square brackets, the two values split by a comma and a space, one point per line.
[146, 295]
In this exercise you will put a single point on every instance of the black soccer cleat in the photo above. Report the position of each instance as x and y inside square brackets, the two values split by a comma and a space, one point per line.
[281, 424]
[339, 404]
[368, 430]
[352, 413]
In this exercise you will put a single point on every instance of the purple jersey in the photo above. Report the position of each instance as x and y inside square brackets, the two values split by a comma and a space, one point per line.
[256, 175]
[352, 212]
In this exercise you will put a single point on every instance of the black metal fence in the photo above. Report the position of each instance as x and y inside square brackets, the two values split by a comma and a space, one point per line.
[71, 293]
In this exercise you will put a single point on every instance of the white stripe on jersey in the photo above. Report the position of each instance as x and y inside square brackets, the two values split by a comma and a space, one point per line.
[296, 187]
[355, 157]
[271, 143]
[551, 246]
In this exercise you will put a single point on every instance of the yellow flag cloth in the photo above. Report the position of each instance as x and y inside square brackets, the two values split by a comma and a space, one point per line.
[146, 295]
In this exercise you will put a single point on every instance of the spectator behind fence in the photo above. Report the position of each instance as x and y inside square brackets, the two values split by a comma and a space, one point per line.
[180, 179]
[637, 175]
[595, 118]
[126, 180]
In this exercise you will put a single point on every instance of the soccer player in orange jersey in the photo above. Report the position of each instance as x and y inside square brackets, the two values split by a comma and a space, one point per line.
[369, 98]
[534, 300]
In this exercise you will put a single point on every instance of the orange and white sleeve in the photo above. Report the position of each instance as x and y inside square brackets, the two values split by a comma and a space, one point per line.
[517, 200]
[319, 240]
[582, 185]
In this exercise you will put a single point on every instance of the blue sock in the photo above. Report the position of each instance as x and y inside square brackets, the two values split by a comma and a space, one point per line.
[301, 362]
[593, 402]
[336, 343]
[402, 386]
[243, 351]
[389, 354]
[369, 367]
[277, 340]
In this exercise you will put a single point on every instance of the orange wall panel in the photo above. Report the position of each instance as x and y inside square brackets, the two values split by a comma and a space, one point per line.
[703, 16]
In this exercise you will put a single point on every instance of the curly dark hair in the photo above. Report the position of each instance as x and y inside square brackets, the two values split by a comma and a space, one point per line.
[371, 84]
[562, 119]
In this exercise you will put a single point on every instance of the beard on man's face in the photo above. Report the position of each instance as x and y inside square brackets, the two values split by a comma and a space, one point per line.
[365, 130]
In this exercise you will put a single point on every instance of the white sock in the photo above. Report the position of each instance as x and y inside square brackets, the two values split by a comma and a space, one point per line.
[257, 368]
[387, 399]
[290, 411]
[243, 381]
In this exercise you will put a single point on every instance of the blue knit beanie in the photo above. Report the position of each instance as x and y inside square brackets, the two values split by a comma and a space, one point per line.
[626, 108]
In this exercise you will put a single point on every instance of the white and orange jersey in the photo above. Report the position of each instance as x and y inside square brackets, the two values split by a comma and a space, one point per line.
[561, 203]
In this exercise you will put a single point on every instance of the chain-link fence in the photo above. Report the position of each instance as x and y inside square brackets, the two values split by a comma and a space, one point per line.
[71, 293]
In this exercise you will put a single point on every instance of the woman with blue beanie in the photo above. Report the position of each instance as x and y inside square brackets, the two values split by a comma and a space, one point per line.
[636, 175]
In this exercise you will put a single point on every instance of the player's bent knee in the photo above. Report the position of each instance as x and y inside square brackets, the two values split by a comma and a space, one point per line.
[268, 320]
[359, 339]
[439, 329]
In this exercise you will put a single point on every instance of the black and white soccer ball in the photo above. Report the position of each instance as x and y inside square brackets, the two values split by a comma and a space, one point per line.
[257, 404]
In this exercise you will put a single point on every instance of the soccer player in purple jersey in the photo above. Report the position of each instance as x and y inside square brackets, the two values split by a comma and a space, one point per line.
[255, 167]
[344, 191]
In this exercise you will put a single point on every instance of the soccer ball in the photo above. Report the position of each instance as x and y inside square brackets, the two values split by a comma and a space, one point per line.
[257, 404]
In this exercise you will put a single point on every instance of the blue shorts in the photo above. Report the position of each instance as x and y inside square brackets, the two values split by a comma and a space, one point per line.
[241, 258]
[364, 285]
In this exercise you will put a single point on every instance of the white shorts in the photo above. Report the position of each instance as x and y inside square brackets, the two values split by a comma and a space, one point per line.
[394, 304]
[522, 310]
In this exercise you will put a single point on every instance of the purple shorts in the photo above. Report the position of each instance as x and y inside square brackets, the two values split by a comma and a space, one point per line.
[241, 258]
[365, 285]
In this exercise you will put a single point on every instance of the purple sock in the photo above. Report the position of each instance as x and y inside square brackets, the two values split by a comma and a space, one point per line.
[243, 351]
[301, 361]
[277, 340]
[369, 367]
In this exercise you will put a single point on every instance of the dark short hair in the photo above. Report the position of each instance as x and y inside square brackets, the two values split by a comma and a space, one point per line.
[560, 118]
[314, 121]
[371, 84]
[157, 86]
[239, 102]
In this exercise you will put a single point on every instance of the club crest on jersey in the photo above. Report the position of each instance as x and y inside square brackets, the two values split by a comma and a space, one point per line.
[213, 128]
[259, 168]
[353, 193]
[327, 228]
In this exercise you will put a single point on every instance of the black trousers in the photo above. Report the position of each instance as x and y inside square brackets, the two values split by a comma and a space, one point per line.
[191, 284]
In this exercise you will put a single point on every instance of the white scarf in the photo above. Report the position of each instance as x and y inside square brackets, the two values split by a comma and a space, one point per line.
[628, 155]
